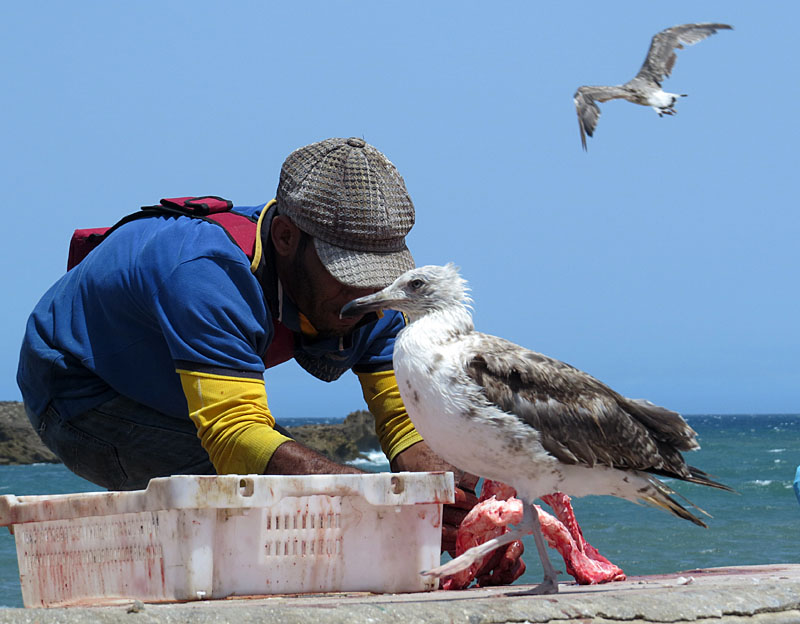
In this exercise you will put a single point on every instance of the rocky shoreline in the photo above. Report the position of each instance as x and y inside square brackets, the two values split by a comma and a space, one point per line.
[342, 442]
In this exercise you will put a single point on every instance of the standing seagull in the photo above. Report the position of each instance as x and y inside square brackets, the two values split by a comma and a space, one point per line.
[499, 411]
[645, 87]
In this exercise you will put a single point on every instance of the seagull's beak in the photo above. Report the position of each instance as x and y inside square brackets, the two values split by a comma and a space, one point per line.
[384, 299]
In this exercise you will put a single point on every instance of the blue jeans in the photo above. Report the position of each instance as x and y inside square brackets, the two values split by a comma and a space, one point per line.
[121, 444]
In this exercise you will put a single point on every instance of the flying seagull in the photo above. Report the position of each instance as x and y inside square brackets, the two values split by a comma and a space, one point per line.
[505, 413]
[645, 87]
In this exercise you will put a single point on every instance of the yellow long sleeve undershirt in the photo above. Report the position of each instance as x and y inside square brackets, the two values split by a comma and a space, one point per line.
[233, 421]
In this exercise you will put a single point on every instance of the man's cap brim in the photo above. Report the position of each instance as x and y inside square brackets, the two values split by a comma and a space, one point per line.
[363, 269]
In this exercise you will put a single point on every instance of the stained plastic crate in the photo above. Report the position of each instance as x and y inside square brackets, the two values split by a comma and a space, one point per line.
[201, 537]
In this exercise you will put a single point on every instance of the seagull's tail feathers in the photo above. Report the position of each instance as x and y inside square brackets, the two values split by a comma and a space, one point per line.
[703, 478]
[672, 434]
[684, 472]
[660, 495]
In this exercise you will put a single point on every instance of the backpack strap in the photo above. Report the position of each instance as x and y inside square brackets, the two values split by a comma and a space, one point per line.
[197, 206]
[240, 229]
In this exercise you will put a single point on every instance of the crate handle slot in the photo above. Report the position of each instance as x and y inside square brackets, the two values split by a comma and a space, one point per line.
[397, 485]
[246, 487]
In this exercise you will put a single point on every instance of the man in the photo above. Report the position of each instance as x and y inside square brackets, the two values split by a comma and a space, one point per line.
[147, 358]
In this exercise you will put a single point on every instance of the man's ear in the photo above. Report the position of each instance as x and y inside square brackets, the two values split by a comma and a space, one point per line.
[285, 236]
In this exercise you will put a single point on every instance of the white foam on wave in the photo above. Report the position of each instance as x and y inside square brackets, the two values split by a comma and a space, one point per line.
[776, 450]
[768, 482]
[373, 460]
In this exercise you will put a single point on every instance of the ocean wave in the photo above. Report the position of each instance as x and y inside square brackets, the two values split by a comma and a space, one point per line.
[768, 482]
[777, 450]
[373, 461]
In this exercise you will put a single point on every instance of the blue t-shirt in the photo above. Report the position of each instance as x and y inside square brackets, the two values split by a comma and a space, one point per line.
[162, 290]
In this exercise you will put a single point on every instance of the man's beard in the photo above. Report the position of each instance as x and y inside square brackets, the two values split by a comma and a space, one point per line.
[301, 277]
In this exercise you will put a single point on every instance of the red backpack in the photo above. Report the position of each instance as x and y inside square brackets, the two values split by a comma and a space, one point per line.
[242, 230]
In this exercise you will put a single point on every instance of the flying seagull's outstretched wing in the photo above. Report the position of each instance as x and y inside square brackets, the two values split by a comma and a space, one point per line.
[661, 56]
[586, 99]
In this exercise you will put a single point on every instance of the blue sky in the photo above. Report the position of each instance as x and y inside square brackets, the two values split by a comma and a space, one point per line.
[663, 261]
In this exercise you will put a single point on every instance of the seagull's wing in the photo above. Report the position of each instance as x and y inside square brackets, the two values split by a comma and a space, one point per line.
[661, 57]
[579, 419]
[586, 99]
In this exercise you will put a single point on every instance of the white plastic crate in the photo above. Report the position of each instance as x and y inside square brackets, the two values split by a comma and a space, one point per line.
[196, 537]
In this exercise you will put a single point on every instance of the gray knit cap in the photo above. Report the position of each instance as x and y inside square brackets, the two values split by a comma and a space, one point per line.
[354, 203]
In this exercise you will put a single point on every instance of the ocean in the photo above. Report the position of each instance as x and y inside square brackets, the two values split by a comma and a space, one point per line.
[757, 455]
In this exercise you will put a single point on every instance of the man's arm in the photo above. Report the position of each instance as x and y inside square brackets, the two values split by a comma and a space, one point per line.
[294, 458]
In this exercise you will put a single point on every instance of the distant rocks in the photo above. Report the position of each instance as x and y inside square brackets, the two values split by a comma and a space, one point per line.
[343, 442]
[19, 443]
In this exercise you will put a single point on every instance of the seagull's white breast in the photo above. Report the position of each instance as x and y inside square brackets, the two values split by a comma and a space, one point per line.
[449, 411]
[660, 99]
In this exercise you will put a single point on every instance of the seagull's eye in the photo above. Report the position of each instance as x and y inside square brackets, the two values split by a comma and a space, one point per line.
[416, 284]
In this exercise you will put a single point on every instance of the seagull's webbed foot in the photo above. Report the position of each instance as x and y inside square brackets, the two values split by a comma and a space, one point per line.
[547, 586]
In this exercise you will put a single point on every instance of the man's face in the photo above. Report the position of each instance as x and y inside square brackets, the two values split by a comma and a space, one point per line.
[319, 295]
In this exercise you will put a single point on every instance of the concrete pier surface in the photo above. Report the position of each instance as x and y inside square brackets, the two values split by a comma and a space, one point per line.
[768, 594]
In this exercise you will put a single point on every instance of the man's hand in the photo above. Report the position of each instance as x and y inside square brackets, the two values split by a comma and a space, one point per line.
[453, 514]
[505, 565]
